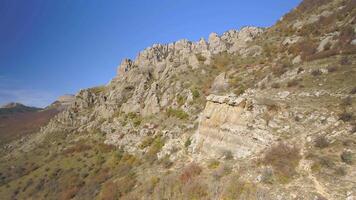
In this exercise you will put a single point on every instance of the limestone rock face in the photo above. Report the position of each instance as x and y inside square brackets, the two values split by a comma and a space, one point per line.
[125, 66]
[231, 125]
[220, 83]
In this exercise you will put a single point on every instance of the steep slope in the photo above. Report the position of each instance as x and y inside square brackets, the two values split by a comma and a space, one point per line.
[251, 114]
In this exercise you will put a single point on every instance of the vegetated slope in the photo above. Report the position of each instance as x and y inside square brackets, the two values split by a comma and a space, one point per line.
[17, 120]
[252, 114]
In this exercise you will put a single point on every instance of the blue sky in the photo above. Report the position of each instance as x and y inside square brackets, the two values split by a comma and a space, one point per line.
[54, 47]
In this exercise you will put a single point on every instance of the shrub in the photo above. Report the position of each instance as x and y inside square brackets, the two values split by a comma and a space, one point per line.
[346, 101]
[178, 113]
[238, 189]
[316, 72]
[305, 48]
[275, 85]
[166, 162]
[353, 128]
[137, 122]
[221, 60]
[188, 142]
[213, 164]
[346, 157]
[97, 90]
[227, 155]
[221, 171]
[200, 57]
[321, 142]
[195, 190]
[126, 184]
[284, 159]
[332, 69]
[240, 90]
[155, 147]
[345, 61]
[146, 142]
[69, 193]
[109, 191]
[189, 172]
[347, 35]
[300, 70]
[195, 93]
[345, 116]
[353, 90]
[340, 171]
[267, 176]
[292, 83]
[77, 148]
[279, 70]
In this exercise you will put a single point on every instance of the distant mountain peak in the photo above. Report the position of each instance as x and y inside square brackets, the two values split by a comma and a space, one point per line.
[12, 105]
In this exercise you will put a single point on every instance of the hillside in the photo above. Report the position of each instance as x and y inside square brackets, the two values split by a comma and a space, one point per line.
[256, 113]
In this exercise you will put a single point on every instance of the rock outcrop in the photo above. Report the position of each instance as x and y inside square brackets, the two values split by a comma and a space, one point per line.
[232, 125]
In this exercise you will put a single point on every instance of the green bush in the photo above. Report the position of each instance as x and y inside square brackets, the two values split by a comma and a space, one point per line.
[188, 142]
[180, 100]
[178, 113]
[346, 157]
[195, 93]
[147, 141]
[213, 164]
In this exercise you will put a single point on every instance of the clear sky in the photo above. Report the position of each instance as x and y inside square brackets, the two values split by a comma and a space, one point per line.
[54, 47]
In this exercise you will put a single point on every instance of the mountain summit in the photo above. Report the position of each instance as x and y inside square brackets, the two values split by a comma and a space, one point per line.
[256, 113]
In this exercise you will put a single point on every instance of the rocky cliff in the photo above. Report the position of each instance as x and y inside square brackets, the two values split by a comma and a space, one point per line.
[256, 113]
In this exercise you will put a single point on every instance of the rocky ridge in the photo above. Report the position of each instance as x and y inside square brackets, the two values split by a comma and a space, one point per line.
[266, 112]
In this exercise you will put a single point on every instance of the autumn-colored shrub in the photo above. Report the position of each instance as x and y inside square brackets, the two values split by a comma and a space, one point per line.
[109, 191]
[347, 35]
[292, 83]
[189, 172]
[68, 193]
[77, 148]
